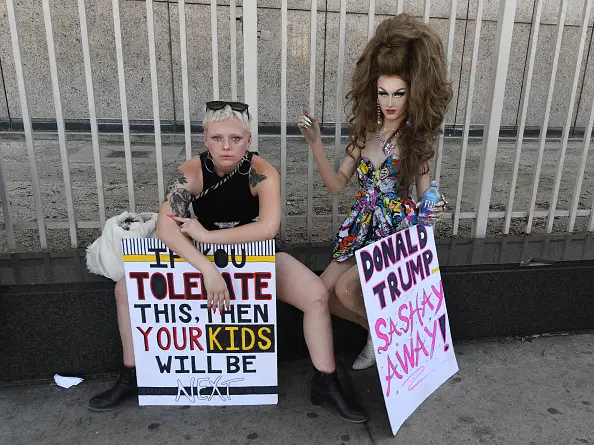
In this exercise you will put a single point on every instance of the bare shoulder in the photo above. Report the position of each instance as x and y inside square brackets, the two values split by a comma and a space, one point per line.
[261, 170]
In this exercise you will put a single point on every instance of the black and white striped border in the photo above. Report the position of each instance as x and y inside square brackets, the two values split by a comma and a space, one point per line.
[141, 246]
[259, 248]
[145, 246]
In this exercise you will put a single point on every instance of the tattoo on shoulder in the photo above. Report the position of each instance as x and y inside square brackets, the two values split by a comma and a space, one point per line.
[255, 177]
[177, 179]
[178, 195]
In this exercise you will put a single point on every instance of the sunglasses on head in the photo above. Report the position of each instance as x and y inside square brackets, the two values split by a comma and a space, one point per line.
[220, 104]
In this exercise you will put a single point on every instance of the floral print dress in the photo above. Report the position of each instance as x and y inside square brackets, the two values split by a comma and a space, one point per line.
[378, 210]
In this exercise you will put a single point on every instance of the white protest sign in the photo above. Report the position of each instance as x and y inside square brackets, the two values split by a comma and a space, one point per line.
[408, 319]
[187, 355]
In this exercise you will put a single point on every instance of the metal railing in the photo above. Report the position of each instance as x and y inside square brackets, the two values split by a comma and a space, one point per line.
[480, 217]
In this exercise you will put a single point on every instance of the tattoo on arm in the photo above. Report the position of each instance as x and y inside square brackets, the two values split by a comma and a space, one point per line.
[177, 194]
[255, 177]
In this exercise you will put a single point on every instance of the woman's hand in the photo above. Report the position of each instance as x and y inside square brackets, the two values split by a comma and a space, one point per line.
[440, 207]
[437, 212]
[310, 129]
[192, 228]
[216, 287]
[216, 290]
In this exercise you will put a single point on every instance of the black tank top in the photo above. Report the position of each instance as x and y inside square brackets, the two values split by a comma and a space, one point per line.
[229, 205]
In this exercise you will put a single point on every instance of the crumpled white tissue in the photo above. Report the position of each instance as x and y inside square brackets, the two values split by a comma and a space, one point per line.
[67, 382]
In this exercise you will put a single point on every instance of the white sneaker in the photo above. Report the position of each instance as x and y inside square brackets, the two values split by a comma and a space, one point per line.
[366, 357]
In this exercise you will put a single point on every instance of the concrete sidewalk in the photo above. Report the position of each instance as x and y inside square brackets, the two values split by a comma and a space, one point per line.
[534, 392]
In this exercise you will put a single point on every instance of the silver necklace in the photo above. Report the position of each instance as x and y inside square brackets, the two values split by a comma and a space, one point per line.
[387, 146]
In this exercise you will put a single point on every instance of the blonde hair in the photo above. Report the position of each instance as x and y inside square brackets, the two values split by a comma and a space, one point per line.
[226, 113]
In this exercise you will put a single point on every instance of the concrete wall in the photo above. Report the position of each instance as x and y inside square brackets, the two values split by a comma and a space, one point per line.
[134, 33]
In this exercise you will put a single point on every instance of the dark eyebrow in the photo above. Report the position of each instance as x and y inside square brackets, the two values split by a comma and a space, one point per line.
[403, 90]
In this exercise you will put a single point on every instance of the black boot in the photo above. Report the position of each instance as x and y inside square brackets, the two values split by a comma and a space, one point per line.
[125, 387]
[327, 388]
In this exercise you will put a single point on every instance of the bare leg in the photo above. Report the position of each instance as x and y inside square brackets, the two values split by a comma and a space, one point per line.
[349, 292]
[126, 384]
[300, 287]
[312, 299]
[330, 277]
[124, 324]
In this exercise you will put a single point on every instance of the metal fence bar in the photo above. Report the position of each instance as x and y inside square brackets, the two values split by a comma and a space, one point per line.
[18, 65]
[545, 123]
[6, 212]
[215, 49]
[524, 111]
[339, 82]
[371, 20]
[183, 48]
[233, 43]
[250, 64]
[482, 215]
[312, 106]
[53, 225]
[283, 127]
[155, 95]
[505, 27]
[446, 216]
[580, 176]
[591, 225]
[84, 36]
[115, 4]
[51, 52]
[399, 6]
[468, 113]
[450, 52]
[567, 127]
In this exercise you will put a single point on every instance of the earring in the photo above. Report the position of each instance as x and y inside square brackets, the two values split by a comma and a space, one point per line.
[379, 114]
[249, 165]
[209, 158]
